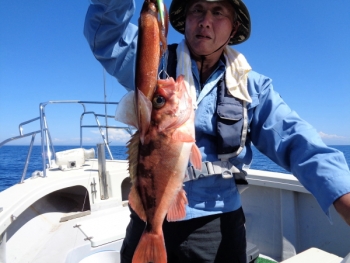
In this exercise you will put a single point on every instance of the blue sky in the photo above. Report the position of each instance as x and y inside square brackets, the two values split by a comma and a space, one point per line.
[302, 45]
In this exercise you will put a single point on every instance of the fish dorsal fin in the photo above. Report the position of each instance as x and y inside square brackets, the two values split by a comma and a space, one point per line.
[133, 153]
[196, 157]
[177, 210]
[126, 111]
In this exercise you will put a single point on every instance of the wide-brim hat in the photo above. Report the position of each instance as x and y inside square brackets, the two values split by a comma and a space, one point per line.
[177, 18]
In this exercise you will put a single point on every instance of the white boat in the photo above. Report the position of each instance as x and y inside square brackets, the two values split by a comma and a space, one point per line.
[75, 208]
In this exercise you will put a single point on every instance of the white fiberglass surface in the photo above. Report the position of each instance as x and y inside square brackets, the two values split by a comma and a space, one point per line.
[103, 256]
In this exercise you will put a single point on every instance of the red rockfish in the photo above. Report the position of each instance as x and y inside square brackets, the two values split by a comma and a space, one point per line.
[158, 158]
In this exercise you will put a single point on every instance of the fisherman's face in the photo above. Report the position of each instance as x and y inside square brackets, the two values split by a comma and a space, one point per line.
[209, 25]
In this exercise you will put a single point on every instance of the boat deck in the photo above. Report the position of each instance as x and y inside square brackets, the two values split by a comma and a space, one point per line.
[63, 217]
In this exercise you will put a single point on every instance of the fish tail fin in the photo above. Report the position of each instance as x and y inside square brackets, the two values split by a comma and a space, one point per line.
[151, 248]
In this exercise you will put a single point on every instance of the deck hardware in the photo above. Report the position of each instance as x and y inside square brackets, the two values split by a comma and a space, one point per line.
[13, 217]
[75, 215]
[76, 226]
[47, 147]
[72, 164]
[36, 174]
[88, 238]
[93, 190]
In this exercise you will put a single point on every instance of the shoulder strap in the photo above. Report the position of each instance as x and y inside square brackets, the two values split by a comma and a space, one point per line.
[232, 123]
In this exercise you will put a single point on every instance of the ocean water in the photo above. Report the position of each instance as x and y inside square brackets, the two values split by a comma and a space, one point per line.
[12, 160]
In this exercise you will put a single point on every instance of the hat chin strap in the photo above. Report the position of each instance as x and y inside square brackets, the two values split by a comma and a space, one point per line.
[203, 57]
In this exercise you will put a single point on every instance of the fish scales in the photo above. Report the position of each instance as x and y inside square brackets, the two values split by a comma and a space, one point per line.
[158, 162]
[163, 158]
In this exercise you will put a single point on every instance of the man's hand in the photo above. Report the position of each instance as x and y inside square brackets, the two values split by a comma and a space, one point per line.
[342, 205]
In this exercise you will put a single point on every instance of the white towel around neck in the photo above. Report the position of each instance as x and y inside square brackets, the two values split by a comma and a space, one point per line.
[237, 69]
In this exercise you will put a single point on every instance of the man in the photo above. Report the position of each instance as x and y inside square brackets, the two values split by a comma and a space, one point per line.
[235, 107]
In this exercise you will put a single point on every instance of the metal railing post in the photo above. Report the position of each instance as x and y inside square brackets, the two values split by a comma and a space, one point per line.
[43, 157]
[27, 160]
[3, 247]
[47, 147]
[102, 171]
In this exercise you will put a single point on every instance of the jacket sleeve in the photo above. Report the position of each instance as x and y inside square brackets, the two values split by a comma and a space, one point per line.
[280, 134]
[112, 38]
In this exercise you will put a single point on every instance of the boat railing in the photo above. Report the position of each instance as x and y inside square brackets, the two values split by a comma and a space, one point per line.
[47, 147]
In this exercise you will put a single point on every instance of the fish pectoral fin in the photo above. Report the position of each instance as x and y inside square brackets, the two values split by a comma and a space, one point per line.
[136, 203]
[126, 110]
[177, 209]
[196, 157]
[181, 136]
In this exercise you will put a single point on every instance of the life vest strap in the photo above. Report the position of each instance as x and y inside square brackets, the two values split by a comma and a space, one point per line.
[223, 168]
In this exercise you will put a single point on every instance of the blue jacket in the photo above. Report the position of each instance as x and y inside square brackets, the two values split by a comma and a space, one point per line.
[275, 129]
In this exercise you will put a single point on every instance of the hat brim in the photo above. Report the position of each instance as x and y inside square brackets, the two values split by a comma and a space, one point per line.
[177, 19]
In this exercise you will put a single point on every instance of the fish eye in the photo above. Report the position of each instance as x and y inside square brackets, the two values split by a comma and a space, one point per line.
[158, 101]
